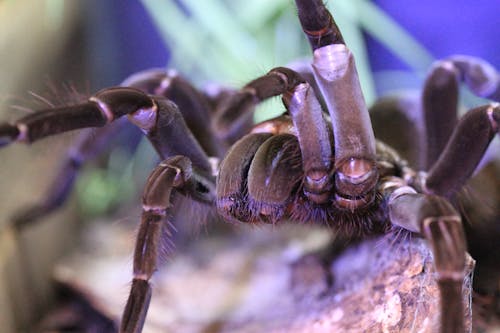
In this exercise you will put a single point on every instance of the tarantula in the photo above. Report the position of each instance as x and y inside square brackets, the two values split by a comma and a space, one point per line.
[318, 162]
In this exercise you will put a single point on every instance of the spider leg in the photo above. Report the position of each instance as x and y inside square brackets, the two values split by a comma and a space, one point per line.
[440, 98]
[89, 144]
[436, 219]
[53, 121]
[174, 173]
[304, 68]
[151, 114]
[439, 104]
[395, 122]
[337, 78]
[318, 24]
[480, 76]
[194, 106]
[464, 150]
[231, 181]
[100, 109]
[315, 140]
[274, 174]
[310, 126]
[232, 118]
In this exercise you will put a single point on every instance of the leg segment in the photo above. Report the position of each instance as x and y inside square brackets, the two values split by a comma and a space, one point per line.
[464, 150]
[168, 132]
[315, 141]
[437, 220]
[175, 173]
[310, 127]
[89, 144]
[481, 77]
[318, 24]
[338, 81]
[193, 105]
[439, 102]
[440, 98]
[275, 172]
[337, 78]
[153, 115]
[230, 120]
[394, 120]
[104, 107]
[231, 182]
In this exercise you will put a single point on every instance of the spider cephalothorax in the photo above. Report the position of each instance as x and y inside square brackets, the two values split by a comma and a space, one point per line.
[319, 162]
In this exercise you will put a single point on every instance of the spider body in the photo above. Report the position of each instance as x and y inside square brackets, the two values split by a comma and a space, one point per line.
[275, 191]
[317, 163]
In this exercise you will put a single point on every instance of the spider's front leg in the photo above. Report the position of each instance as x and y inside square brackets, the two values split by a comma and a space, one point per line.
[464, 150]
[100, 109]
[268, 164]
[173, 174]
[440, 99]
[193, 108]
[96, 112]
[436, 219]
[350, 167]
[89, 144]
[431, 215]
[453, 147]
[335, 73]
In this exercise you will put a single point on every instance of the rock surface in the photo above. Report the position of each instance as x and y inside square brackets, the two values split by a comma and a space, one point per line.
[260, 280]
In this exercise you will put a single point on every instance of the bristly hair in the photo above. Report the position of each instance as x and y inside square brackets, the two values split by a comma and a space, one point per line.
[396, 235]
[55, 95]
[66, 94]
[351, 224]
[190, 216]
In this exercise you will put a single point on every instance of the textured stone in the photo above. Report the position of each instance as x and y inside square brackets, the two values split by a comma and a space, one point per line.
[260, 280]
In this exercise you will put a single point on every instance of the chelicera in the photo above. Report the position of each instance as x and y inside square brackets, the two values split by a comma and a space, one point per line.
[319, 162]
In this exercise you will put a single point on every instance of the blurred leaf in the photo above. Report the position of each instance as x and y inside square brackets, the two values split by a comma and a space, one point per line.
[393, 36]
[346, 13]
[100, 190]
[258, 13]
[97, 191]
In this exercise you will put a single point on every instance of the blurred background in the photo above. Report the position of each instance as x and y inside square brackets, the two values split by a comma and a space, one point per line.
[89, 45]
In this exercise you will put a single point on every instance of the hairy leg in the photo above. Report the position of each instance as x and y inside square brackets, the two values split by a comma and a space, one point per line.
[440, 98]
[436, 219]
[464, 150]
[173, 174]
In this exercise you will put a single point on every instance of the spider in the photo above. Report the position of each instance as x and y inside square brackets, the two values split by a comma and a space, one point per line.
[318, 162]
